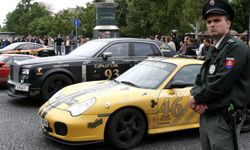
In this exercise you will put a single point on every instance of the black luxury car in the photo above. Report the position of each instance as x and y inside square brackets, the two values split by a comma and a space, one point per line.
[95, 60]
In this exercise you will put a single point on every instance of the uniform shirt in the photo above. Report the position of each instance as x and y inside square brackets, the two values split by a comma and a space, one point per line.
[225, 76]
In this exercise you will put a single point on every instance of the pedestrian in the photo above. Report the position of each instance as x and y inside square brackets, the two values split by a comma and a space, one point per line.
[221, 89]
[168, 40]
[58, 41]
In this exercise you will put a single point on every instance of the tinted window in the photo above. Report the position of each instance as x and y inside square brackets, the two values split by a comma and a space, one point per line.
[187, 74]
[143, 49]
[119, 49]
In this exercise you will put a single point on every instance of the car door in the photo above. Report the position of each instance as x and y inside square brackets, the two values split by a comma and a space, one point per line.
[173, 109]
[111, 67]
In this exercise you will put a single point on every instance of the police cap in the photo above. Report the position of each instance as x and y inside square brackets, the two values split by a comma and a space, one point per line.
[217, 7]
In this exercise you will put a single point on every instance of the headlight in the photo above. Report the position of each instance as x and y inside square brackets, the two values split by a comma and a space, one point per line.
[25, 71]
[79, 108]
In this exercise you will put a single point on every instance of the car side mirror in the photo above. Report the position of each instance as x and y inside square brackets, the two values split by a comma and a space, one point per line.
[178, 84]
[105, 55]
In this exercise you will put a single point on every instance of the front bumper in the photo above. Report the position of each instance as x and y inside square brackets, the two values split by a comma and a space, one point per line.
[22, 90]
[79, 130]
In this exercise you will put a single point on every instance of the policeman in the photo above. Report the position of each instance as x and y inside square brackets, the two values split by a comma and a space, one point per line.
[223, 81]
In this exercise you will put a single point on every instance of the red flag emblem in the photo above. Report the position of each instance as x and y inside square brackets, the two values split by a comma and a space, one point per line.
[229, 63]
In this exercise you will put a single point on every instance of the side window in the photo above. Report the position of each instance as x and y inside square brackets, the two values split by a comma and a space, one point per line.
[118, 49]
[143, 49]
[187, 74]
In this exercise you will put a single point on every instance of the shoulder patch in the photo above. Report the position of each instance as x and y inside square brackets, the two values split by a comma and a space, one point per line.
[229, 63]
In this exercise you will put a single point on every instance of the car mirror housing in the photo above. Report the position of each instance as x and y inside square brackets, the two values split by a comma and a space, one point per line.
[178, 84]
[105, 55]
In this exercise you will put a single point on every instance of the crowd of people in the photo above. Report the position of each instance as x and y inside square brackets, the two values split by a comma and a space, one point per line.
[60, 43]
[189, 46]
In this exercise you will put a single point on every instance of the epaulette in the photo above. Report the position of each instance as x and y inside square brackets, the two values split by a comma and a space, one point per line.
[230, 41]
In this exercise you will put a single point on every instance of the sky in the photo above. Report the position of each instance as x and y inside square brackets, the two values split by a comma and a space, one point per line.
[55, 5]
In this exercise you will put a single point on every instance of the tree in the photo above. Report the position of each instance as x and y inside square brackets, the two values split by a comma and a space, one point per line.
[87, 16]
[240, 19]
[25, 12]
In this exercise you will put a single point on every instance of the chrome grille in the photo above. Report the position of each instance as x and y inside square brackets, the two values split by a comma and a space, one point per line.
[14, 72]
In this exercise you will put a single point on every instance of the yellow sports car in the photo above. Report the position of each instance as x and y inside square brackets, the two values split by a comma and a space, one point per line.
[149, 98]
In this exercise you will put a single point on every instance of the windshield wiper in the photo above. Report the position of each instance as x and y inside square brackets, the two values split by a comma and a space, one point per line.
[129, 83]
[116, 81]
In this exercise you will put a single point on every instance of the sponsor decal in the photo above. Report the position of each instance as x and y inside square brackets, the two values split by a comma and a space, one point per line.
[229, 63]
[60, 65]
[167, 110]
[39, 71]
[96, 123]
[103, 115]
[153, 103]
[97, 66]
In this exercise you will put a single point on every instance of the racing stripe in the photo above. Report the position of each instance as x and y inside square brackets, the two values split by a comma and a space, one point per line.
[71, 99]
[189, 118]
[177, 119]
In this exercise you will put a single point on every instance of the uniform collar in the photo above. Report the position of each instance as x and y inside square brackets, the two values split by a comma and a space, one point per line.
[222, 41]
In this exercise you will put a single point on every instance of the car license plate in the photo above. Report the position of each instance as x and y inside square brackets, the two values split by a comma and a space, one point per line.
[45, 123]
[20, 87]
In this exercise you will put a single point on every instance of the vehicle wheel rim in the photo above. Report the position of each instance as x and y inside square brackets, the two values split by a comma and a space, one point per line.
[55, 86]
[129, 128]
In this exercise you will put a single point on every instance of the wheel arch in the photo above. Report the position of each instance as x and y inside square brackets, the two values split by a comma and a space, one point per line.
[58, 71]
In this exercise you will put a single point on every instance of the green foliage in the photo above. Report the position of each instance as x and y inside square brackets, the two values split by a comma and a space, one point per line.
[135, 18]
[241, 15]
[87, 18]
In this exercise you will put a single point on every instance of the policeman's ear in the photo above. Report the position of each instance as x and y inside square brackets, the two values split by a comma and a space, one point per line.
[228, 22]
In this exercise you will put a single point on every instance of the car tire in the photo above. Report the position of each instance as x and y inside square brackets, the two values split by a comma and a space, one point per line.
[126, 128]
[53, 84]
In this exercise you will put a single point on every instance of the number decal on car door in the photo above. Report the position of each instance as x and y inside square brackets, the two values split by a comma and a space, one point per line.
[109, 73]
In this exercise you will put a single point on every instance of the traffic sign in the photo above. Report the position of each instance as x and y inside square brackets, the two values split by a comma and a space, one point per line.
[76, 22]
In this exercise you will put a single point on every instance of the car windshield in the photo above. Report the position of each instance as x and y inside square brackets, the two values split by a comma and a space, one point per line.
[11, 46]
[88, 49]
[3, 58]
[147, 74]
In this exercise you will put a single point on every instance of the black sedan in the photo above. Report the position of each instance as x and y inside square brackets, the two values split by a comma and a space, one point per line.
[95, 60]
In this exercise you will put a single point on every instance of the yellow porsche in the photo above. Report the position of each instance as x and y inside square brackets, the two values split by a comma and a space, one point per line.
[149, 98]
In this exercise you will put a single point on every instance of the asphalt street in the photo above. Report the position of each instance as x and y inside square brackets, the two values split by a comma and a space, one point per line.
[20, 129]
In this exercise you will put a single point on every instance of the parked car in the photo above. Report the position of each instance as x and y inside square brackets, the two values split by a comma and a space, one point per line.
[5, 61]
[28, 48]
[150, 98]
[95, 60]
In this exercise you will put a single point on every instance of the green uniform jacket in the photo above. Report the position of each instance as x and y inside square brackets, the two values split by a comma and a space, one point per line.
[225, 76]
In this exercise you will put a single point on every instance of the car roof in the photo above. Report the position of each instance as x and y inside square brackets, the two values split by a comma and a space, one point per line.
[126, 39]
[177, 61]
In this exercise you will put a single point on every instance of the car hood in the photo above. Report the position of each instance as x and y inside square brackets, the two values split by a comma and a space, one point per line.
[51, 59]
[104, 92]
